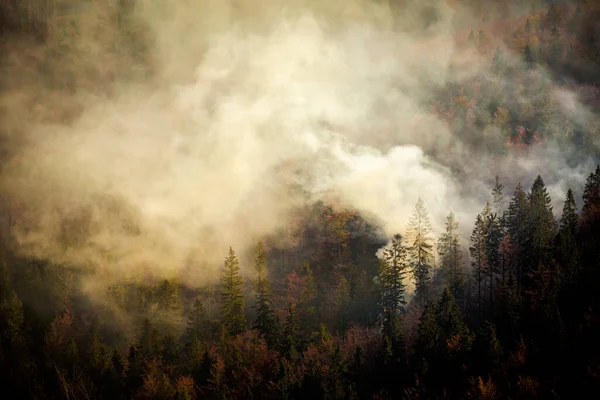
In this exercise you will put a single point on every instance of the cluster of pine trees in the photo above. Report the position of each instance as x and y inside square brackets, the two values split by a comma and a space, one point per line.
[520, 323]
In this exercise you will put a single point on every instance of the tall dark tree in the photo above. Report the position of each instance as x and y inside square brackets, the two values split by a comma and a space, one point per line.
[542, 225]
[517, 227]
[479, 261]
[265, 322]
[567, 251]
[420, 251]
[197, 324]
[452, 266]
[232, 297]
[493, 241]
[394, 267]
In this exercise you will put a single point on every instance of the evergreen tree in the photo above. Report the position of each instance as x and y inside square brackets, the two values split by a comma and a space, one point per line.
[420, 252]
[517, 226]
[542, 226]
[232, 297]
[265, 317]
[290, 332]
[394, 266]
[528, 25]
[493, 241]
[197, 324]
[498, 197]
[528, 55]
[451, 259]
[567, 254]
[479, 261]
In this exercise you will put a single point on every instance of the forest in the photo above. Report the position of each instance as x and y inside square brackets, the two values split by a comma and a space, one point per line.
[341, 309]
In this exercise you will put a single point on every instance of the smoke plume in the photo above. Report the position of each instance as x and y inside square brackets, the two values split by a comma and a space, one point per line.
[241, 113]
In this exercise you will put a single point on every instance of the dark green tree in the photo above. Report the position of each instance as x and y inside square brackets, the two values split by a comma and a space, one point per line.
[197, 324]
[232, 297]
[479, 261]
[394, 267]
[265, 322]
[542, 226]
[567, 253]
[452, 265]
[517, 227]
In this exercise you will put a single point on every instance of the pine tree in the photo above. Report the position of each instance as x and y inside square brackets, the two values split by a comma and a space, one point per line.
[420, 252]
[542, 225]
[265, 317]
[478, 260]
[451, 259]
[528, 26]
[498, 197]
[518, 212]
[197, 324]
[450, 320]
[290, 332]
[394, 266]
[567, 253]
[528, 55]
[493, 241]
[232, 297]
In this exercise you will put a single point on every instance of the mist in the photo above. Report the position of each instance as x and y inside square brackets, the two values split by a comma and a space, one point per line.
[244, 113]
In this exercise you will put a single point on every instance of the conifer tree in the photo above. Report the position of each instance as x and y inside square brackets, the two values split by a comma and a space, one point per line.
[232, 297]
[420, 252]
[478, 260]
[290, 332]
[528, 55]
[196, 324]
[542, 225]
[517, 227]
[493, 241]
[567, 247]
[498, 197]
[394, 267]
[265, 317]
[451, 259]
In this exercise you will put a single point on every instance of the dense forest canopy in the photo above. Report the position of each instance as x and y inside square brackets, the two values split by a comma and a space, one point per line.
[289, 199]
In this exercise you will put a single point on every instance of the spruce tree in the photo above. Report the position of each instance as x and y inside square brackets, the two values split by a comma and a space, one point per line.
[493, 241]
[232, 297]
[196, 324]
[567, 252]
[517, 227]
[479, 261]
[542, 225]
[420, 252]
[498, 197]
[394, 267]
[451, 259]
[265, 317]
